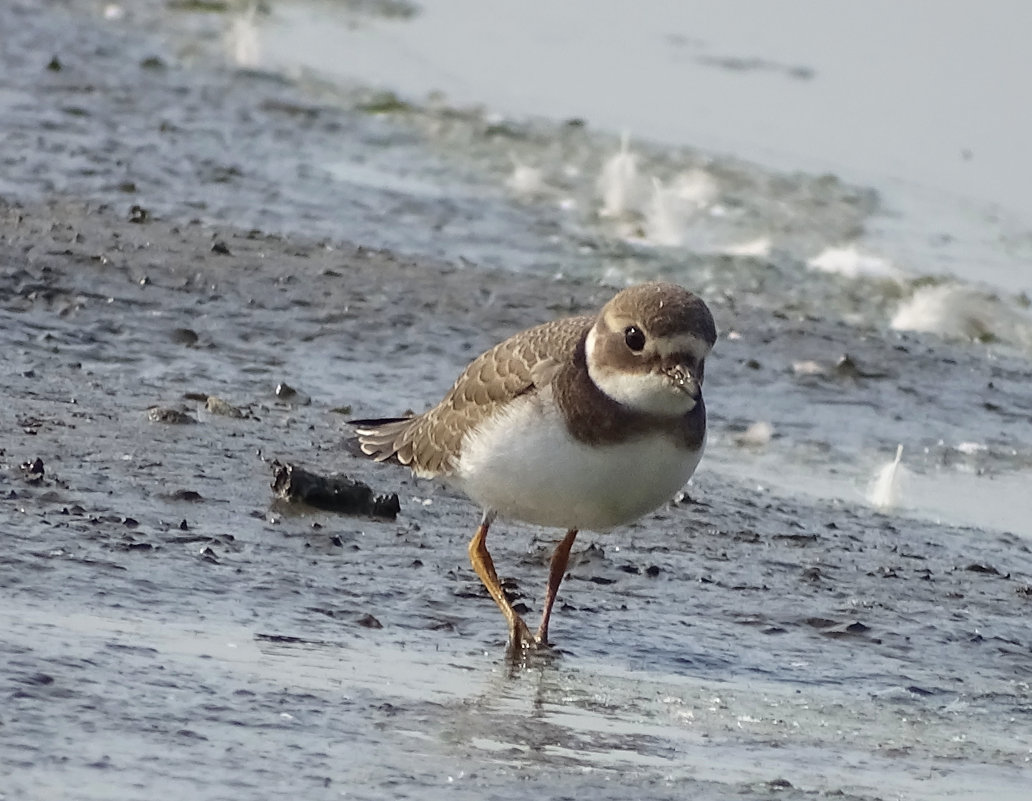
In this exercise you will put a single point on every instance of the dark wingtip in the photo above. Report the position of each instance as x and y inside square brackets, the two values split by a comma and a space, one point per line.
[374, 422]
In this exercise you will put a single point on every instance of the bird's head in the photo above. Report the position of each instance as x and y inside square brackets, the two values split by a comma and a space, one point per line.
[647, 349]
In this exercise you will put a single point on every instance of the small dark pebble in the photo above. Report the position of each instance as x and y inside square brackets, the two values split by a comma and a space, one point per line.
[220, 247]
[185, 336]
[652, 571]
[601, 580]
[39, 679]
[987, 569]
[797, 539]
[130, 522]
[846, 367]
[33, 470]
[369, 622]
[336, 540]
[138, 214]
[285, 392]
[833, 628]
[217, 405]
[284, 638]
[157, 414]
[183, 525]
[54, 65]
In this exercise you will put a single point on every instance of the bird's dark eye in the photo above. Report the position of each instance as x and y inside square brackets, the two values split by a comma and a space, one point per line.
[634, 337]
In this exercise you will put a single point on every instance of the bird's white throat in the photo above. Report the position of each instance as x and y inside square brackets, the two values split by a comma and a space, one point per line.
[647, 392]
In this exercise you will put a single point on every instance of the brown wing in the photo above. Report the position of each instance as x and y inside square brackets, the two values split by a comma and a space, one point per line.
[429, 443]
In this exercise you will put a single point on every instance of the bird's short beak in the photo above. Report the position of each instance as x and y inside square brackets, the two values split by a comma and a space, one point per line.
[684, 380]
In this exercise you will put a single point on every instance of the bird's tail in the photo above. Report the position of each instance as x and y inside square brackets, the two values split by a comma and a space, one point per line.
[380, 437]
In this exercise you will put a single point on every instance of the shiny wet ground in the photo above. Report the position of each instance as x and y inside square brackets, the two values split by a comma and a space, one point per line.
[162, 615]
[167, 628]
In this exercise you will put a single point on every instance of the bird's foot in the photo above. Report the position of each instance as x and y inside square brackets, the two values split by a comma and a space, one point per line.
[520, 638]
[525, 648]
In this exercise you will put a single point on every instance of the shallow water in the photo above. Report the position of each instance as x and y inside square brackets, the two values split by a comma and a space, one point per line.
[169, 628]
[918, 102]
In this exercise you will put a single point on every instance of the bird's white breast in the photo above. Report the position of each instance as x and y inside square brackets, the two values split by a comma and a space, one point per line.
[524, 464]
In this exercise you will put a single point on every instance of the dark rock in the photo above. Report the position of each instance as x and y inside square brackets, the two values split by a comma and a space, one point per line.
[335, 493]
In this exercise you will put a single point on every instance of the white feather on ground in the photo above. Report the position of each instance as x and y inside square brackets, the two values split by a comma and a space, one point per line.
[525, 181]
[955, 310]
[757, 435]
[886, 490]
[620, 184]
[848, 261]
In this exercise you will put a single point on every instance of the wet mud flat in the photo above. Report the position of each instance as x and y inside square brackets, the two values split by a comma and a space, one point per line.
[168, 627]
[166, 623]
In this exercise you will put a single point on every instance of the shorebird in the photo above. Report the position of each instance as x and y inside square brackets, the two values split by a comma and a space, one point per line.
[583, 423]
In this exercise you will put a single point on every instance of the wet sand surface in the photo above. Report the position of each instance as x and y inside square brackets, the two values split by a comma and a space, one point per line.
[168, 629]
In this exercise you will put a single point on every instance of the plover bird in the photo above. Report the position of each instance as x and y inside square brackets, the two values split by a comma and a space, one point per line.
[584, 423]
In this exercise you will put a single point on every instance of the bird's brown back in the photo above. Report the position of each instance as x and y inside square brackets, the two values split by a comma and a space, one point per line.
[430, 443]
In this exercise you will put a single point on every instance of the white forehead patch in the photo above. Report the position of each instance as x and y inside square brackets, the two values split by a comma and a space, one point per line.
[682, 343]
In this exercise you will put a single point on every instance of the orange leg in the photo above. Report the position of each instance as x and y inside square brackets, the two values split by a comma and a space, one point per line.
[556, 571]
[519, 634]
